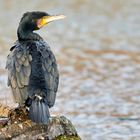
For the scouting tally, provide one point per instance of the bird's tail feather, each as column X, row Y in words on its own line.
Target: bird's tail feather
column 39, row 111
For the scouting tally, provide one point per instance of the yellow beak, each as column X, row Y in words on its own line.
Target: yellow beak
column 46, row 19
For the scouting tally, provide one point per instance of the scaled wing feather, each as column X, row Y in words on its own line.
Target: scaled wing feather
column 51, row 74
column 19, row 69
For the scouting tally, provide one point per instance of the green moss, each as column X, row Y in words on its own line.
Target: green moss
column 64, row 137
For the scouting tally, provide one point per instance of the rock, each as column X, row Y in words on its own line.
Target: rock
column 17, row 126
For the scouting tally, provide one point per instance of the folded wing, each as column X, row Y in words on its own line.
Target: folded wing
column 19, row 69
column 51, row 74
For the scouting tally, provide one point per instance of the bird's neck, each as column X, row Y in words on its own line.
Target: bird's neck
column 24, row 34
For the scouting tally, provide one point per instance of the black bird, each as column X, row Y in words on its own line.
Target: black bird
column 32, row 69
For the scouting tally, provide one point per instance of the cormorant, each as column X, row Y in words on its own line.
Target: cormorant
column 32, row 69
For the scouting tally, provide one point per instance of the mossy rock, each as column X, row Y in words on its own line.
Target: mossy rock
column 17, row 126
column 64, row 137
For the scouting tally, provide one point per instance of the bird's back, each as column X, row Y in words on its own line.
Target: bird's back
column 32, row 73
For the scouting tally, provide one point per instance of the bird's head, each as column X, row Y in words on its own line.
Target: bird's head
column 36, row 20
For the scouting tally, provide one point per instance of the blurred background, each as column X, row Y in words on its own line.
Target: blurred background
column 97, row 48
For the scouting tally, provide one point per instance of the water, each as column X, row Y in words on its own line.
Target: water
column 97, row 49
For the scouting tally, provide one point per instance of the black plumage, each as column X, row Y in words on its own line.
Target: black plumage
column 32, row 69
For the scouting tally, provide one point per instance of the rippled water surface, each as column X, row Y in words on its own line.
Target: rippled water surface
column 98, row 51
